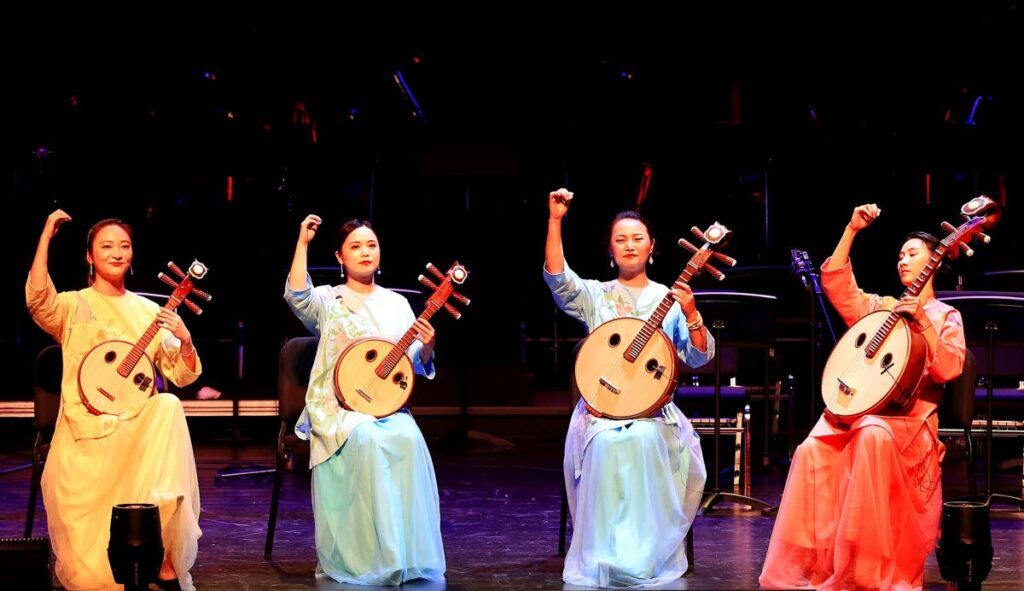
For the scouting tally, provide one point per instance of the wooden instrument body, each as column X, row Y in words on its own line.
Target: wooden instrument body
column 617, row 388
column 103, row 390
column 854, row 385
column 627, row 367
column 357, row 385
column 878, row 364
column 117, row 377
column 375, row 376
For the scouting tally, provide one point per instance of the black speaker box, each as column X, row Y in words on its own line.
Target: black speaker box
column 25, row 563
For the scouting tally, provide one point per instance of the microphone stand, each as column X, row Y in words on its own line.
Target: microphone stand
column 801, row 266
column 812, row 282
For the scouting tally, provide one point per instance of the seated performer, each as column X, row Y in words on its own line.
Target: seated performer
column 375, row 502
column 861, row 505
column 98, row 461
column 634, row 485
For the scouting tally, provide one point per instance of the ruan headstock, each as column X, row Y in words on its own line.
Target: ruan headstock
column 196, row 271
column 456, row 274
column 980, row 213
column 714, row 238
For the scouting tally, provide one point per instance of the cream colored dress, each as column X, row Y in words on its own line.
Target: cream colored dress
column 96, row 462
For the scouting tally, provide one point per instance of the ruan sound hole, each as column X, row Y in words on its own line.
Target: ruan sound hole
column 398, row 378
column 138, row 378
column 887, row 360
column 652, row 365
column 614, row 340
column 860, row 340
column 110, row 356
column 371, row 355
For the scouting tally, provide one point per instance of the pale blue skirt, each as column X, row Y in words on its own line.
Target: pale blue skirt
column 376, row 508
column 634, row 490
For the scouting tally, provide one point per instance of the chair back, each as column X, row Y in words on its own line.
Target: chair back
column 957, row 409
column 294, row 365
column 47, row 374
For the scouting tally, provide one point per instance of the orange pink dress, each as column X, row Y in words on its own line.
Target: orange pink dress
column 861, row 505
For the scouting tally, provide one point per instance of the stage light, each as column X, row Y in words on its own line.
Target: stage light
column 136, row 550
column 964, row 550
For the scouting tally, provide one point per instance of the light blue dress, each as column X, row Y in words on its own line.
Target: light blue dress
column 634, row 485
column 375, row 502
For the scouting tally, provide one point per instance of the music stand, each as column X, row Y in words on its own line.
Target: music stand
column 777, row 280
column 985, row 313
column 233, row 470
column 1005, row 279
column 753, row 318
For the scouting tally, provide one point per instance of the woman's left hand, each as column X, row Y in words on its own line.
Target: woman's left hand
column 170, row 320
column 910, row 306
column 425, row 334
column 682, row 294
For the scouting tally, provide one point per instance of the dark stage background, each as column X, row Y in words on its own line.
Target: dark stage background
column 215, row 134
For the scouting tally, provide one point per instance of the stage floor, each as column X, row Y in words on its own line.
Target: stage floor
column 500, row 512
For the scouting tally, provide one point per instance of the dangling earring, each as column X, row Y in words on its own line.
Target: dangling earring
column 91, row 272
column 131, row 271
column 378, row 270
column 650, row 260
column 611, row 263
column 343, row 271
